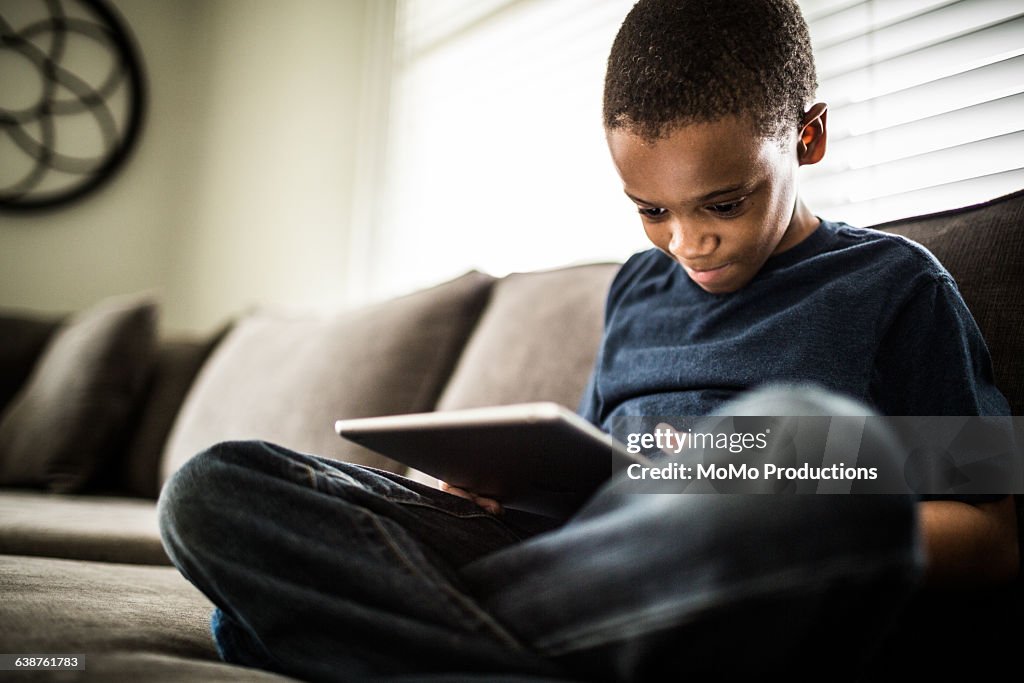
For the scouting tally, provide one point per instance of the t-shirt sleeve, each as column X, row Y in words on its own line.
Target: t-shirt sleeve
column 933, row 360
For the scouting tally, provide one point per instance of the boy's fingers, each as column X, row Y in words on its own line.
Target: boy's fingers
column 488, row 504
column 454, row 490
column 492, row 506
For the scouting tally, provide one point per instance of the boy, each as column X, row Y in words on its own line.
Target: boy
column 329, row 571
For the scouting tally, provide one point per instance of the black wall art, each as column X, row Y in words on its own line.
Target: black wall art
column 72, row 99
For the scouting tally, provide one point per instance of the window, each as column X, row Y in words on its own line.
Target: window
column 926, row 105
column 496, row 156
column 495, row 150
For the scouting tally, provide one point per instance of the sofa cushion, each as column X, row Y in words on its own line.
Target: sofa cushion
column 57, row 430
column 131, row 623
column 70, row 606
column 287, row 380
column 24, row 338
column 536, row 341
column 981, row 246
column 161, row 668
column 137, row 469
column 107, row 529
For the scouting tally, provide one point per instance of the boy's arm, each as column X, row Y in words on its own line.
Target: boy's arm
column 965, row 543
column 969, row 543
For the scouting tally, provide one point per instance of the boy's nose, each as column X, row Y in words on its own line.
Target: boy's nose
column 690, row 242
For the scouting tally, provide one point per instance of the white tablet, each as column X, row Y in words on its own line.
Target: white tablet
column 539, row 457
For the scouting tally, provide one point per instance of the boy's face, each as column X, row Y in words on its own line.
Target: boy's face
column 716, row 197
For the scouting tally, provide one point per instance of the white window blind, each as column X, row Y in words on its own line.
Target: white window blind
column 496, row 157
column 926, row 105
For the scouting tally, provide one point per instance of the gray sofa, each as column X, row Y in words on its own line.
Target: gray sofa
column 96, row 411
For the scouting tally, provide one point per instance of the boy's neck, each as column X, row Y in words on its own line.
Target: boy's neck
column 802, row 225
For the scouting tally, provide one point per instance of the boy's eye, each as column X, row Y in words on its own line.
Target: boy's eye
column 652, row 213
column 727, row 209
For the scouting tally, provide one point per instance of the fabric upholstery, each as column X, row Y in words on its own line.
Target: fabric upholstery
column 57, row 430
column 536, row 341
column 70, row 606
column 22, row 340
column 981, row 246
column 287, row 380
column 126, row 665
column 137, row 471
column 132, row 623
column 107, row 529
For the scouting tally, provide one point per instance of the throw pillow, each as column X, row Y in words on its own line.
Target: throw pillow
column 536, row 341
column 24, row 338
column 287, row 379
column 56, row 431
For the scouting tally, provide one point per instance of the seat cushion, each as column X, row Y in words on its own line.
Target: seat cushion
column 70, row 606
column 80, row 527
column 287, row 379
column 160, row 668
column 536, row 341
column 130, row 622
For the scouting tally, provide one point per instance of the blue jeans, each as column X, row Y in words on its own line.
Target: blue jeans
column 328, row 571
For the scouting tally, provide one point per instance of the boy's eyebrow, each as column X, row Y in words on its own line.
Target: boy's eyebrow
column 706, row 198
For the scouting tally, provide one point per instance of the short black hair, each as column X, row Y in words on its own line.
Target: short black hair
column 676, row 62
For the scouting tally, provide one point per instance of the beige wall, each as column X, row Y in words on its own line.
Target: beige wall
column 241, row 191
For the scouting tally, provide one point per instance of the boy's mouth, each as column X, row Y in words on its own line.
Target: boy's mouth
column 708, row 275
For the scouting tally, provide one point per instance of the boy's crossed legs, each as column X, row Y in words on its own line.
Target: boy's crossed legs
column 330, row 571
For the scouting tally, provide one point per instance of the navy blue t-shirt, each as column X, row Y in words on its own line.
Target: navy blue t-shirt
column 864, row 313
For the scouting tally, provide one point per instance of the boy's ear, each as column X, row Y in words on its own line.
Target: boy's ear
column 813, row 135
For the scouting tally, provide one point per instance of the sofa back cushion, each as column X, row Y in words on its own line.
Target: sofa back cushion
column 134, row 466
column 58, row 429
column 176, row 366
column 23, row 337
column 287, row 379
column 982, row 246
column 536, row 341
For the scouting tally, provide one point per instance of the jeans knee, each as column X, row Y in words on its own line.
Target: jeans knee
column 192, row 496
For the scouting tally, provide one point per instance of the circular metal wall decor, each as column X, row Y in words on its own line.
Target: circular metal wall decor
column 72, row 96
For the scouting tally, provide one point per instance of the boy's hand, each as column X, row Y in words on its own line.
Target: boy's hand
column 489, row 504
